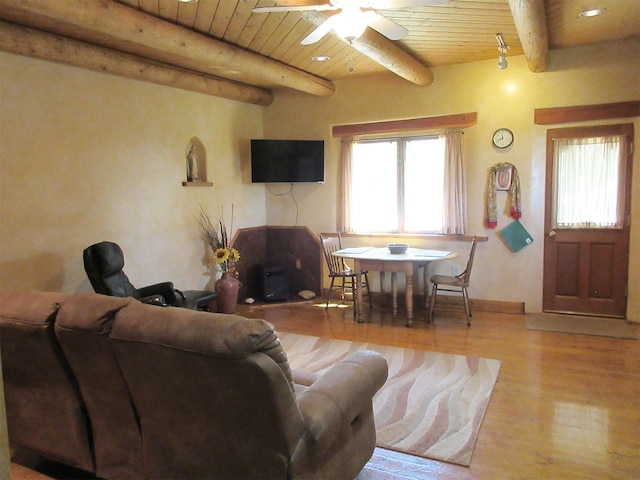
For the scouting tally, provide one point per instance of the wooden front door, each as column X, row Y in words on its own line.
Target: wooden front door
column 586, row 263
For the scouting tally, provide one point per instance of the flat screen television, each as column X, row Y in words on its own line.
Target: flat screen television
column 287, row 161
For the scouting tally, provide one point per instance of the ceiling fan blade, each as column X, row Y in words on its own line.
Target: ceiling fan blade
column 324, row 28
column 386, row 27
column 293, row 8
column 395, row 4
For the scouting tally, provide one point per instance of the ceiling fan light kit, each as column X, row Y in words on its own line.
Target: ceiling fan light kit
column 351, row 22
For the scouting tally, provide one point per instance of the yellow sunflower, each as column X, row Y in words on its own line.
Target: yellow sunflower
column 234, row 255
column 221, row 255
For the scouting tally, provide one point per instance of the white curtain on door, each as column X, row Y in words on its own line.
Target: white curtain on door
column 587, row 180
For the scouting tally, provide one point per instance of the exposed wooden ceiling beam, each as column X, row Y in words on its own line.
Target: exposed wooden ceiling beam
column 385, row 52
column 382, row 50
column 531, row 24
column 109, row 23
column 48, row 46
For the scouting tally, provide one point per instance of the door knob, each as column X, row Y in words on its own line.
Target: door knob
column 552, row 233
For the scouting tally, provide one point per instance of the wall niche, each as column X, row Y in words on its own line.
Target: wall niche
column 196, row 164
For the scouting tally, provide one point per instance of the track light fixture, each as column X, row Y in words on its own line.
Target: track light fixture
column 502, row 61
column 502, row 48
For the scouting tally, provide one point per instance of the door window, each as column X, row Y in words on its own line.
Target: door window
column 589, row 182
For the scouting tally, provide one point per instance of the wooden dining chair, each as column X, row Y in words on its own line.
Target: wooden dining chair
column 456, row 284
column 339, row 269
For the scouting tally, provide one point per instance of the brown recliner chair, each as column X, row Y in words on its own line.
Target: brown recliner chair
column 45, row 410
column 217, row 399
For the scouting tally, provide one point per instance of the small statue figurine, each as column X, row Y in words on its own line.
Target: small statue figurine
column 192, row 165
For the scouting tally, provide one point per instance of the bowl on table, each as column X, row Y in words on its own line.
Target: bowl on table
column 398, row 248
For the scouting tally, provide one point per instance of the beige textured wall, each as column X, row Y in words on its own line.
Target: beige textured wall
column 87, row 157
column 589, row 75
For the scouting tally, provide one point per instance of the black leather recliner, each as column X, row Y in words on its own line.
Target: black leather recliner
column 104, row 263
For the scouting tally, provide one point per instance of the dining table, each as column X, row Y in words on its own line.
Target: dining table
column 382, row 260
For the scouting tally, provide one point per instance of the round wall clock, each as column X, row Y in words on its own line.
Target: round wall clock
column 502, row 138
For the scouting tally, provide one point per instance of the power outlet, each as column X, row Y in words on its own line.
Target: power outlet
column 455, row 270
column 298, row 264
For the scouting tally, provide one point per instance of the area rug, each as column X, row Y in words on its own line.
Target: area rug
column 603, row 327
column 432, row 404
column 387, row 464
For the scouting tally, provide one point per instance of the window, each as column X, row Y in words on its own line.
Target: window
column 588, row 185
column 397, row 185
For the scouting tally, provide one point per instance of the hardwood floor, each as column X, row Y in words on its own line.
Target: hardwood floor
column 565, row 405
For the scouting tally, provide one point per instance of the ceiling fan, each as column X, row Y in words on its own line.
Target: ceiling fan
column 352, row 17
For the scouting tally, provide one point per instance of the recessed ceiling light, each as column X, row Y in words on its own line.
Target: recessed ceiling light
column 321, row 58
column 591, row 12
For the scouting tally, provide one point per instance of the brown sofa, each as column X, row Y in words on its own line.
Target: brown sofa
column 127, row 390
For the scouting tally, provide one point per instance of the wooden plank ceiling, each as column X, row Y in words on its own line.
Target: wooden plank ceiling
column 457, row 32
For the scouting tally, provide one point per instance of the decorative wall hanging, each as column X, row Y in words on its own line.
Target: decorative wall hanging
column 516, row 236
column 503, row 176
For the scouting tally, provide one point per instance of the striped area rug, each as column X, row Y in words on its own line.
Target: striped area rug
column 432, row 404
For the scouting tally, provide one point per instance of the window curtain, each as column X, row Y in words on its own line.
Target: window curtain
column 587, row 180
column 455, row 190
column 344, row 185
